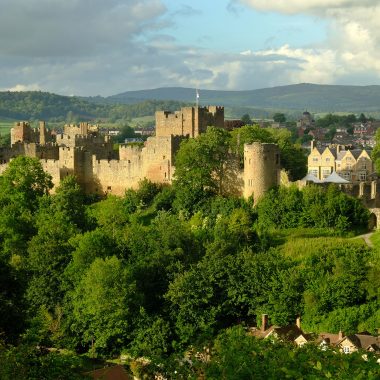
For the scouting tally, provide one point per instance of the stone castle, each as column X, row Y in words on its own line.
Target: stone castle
column 81, row 150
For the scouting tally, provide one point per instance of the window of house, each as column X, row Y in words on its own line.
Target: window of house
column 315, row 159
column 346, row 349
column 362, row 176
column 348, row 158
column 346, row 175
column 314, row 172
column 326, row 173
column 328, row 159
column 349, row 167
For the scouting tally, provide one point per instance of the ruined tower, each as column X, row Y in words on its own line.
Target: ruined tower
column 261, row 168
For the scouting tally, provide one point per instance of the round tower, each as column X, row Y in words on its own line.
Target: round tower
column 261, row 168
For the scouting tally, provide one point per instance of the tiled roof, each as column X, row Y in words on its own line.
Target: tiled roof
column 329, row 338
column 365, row 341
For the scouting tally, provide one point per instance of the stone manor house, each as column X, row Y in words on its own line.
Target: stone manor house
column 353, row 165
column 81, row 150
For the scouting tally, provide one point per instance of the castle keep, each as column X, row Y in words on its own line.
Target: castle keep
column 189, row 121
column 81, row 150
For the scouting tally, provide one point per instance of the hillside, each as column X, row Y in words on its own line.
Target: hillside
column 316, row 98
column 121, row 108
column 51, row 107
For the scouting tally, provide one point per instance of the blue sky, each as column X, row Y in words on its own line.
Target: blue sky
column 97, row 47
column 228, row 27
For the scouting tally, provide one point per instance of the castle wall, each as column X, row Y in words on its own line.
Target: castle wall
column 154, row 161
column 53, row 168
column 114, row 176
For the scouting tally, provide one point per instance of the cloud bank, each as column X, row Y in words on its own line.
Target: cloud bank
column 90, row 47
column 350, row 55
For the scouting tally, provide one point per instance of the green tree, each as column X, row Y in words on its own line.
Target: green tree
column 246, row 119
column 111, row 214
column 375, row 155
column 49, row 254
column 86, row 248
column 22, row 185
column 25, row 180
column 279, row 117
column 237, row 355
column 362, row 118
column 104, row 304
column 12, row 307
column 204, row 167
column 125, row 132
column 69, row 199
column 28, row 362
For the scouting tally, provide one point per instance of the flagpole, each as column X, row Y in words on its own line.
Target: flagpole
column 197, row 97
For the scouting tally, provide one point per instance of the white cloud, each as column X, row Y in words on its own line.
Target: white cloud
column 23, row 87
column 305, row 6
column 90, row 47
column 56, row 28
column 351, row 49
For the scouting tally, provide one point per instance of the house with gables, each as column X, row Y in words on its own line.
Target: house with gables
column 353, row 165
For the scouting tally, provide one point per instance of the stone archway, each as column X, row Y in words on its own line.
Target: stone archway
column 374, row 219
column 372, row 222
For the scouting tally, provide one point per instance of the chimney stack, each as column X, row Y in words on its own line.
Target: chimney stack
column 313, row 144
column 264, row 322
column 298, row 322
column 340, row 335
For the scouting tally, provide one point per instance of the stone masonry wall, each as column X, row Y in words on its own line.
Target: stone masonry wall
column 261, row 169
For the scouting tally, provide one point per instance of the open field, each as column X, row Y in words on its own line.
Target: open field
column 142, row 121
column 5, row 127
column 301, row 243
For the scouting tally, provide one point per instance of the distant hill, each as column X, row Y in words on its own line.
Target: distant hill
column 31, row 105
column 121, row 108
column 315, row 98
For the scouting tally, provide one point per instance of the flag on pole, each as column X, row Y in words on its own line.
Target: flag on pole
column 197, row 93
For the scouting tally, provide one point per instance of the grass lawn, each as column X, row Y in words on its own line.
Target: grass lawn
column 300, row 243
column 375, row 239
